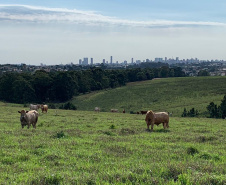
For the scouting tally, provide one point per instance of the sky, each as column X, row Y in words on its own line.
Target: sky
column 63, row 31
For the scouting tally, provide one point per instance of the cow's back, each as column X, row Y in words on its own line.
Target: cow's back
column 161, row 117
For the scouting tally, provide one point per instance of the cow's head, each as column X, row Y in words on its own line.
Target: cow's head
column 22, row 114
column 149, row 116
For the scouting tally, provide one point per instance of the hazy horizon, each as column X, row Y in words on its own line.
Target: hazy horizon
column 66, row 31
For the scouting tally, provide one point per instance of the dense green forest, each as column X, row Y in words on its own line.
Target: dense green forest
column 62, row 86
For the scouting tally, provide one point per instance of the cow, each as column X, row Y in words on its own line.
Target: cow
column 143, row 112
column 34, row 107
column 157, row 118
column 28, row 118
column 97, row 109
column 123, row 111
column 138, row 112
column 44, row 108
column 114, row 110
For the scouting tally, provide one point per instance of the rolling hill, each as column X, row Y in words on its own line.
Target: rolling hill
column 166, row 94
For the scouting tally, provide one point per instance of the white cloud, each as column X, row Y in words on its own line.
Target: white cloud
column 25, row 13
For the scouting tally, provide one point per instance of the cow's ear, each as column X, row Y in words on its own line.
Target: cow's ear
column 19, row 111
column 27, row 111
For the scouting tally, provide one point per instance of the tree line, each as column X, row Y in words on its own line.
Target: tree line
column 43, row 86
column 217, row 111
column 213, row 110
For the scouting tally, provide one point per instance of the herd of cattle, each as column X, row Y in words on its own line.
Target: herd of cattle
column 152, row 118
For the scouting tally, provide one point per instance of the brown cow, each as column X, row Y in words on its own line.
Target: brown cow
column 157, row 118
column 28, row 118
column 123, row 111
column 44, row 108
column 143, row 112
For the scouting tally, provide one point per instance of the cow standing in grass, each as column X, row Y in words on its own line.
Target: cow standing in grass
column 28, row 118
column 44, row 108
column 157, row 118
column 143, row 112
column 97, row 109
column 114, row 110
column 34, row 107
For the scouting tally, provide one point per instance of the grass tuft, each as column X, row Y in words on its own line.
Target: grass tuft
column 112, row 127
column 192, row 151
column 60, row 135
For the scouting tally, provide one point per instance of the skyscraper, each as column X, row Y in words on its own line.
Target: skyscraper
column 91, row 61
column 85, row 61
column 111, row 60
column 80, row 61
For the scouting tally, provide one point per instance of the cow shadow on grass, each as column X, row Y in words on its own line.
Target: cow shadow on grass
column 158, row 130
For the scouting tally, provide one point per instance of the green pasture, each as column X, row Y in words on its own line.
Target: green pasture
column 84, row 147
column 166, row 94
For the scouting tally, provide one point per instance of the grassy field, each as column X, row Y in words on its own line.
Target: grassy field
column 167, row 94
column 84, row 147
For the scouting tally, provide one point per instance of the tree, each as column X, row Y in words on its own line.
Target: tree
column 42, row 83
column 6, row 86
column 164, row 72
column 141, row 76
column 184, row 114
column 203, row 73
column 23, row 92
column 64, row 86
column 223, row 108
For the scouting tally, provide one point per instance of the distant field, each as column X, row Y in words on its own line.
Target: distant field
column 167, row 94
column 84, row 147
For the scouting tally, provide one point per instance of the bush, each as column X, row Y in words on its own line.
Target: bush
column 192, row 151
column 60, row 134
column 52, row 106
column 112, row 127
column 191, row 113
column 68, row 106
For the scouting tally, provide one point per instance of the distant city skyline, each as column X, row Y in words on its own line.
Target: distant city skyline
column 61, row 32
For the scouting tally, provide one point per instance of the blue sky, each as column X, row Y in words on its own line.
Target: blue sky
column 54, row 32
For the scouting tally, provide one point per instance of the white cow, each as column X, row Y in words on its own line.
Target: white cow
column 34, row 107
column 28, row 118
column 97, row 109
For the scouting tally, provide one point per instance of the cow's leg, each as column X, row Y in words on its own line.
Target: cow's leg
column 148, row 126
column 28, row 125
column 152, row 126
column 167, row 124
column 34, row 125
column 164, row 125
column 22, row 126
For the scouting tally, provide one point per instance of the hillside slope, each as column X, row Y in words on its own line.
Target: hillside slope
column 167, row 94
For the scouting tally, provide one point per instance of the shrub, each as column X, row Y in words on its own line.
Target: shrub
column 112, row 127
column 68, row 106
column 60, row 134
column 192, row 151
column 52, row 106
column 205, row 156
column 191, row 113
column 172, row 172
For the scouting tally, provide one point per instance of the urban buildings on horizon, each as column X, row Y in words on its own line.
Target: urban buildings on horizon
column 86, row 61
